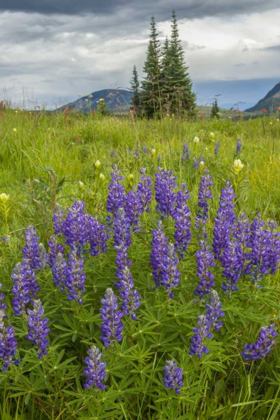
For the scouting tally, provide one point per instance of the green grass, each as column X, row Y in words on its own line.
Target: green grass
column 49, row 159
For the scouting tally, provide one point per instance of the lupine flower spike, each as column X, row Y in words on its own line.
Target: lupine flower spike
column 200, row 333
column 111, row 328
column 38, row 328
column 264, row 344
column 8, row 344
column 173, row 377
column 95, row 369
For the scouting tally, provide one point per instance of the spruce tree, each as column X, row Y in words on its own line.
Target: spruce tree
column 135, row 100
column 165, row 76
column 151, row 85
column 178, row 82
column 215, row 111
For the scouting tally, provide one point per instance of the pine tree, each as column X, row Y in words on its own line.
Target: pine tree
column 151, row 85
column 178, row 82
column 135, row 100
column 215, row 111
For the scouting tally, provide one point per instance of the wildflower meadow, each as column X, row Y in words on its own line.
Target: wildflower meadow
column 140, row 267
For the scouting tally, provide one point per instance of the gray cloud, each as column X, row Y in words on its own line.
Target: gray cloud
column 240, row 65
column 160, row 8
column 271, row 48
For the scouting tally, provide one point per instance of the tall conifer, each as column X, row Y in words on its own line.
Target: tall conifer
column 151, row 85
column 135, row 100
column 177, row 77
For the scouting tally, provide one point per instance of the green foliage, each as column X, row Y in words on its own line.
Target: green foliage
column 36, row 161
column 135, row 100
column 215, row 110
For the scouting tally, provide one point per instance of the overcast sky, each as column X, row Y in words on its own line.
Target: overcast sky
column 54, row 50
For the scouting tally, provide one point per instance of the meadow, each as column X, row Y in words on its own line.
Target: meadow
column 62, row 164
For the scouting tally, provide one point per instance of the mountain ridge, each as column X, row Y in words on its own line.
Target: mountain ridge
column 117, row 100
column 271, row 101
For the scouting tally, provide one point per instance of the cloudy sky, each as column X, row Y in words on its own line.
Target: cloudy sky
column 52, row 51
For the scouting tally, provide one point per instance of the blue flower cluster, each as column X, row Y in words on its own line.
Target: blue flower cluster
column 264, row 344
column 164, row 191
column 38, row 328
column 206, row 323
column 164, row 261
column 111, row 328
column 224, row 221
column 173, row 377
column 95, row 369
column 205, row 261
column 186, row 154
column 181, row 214
column 204, row 195
column 8, row 344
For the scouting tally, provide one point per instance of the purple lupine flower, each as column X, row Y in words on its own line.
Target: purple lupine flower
column 44, row 258
column 170, row 275
column 58, row 218
column 144, row 191
column 203, row 195
column 159, row 252
column 74, row 227
column 129, row 295
column 261, row 243
column 137, row 152
column 185, row 155
column 8, row 344
column 232, row 261
column 3, row 305
column 200, row 333
column 122, row 241
column 133, row 207
column 263, row 346
column 95, row 369
column 116, row 196
column 54, row 249
column 111, row 328
column 238, row 146
column 274, row 254
column 38, row 328
column 173, row 377
column 30, row 251
column 74, row 277
column 205, row 261
column 217, row 147
column 112, row 153
column 242, row 235
column 25, row 287
column 97, row 236
column 224, row 221
column 182, row 214
column 164, row 191
column 59, row 268
column 214, row 311
column 145, row 149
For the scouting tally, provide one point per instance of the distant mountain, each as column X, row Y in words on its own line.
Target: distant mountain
column 270, row 102
column 117, row 100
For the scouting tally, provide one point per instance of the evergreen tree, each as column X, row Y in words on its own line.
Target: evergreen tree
column 151, row 85
column 215, row 111
column 165, row 76
column 176, row 77
column 135, row 100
